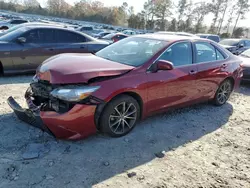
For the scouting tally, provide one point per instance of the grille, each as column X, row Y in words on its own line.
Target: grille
column 41, row 89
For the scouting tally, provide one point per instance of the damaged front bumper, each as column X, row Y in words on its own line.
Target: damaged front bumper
column 77, row 123
column 28, row 116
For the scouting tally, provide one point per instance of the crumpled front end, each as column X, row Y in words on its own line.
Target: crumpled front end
column 62, row 119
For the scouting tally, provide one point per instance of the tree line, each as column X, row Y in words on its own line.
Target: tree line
column 161, row 15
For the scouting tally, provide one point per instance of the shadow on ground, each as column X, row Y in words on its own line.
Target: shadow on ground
column 244, row 89
column 93, row 160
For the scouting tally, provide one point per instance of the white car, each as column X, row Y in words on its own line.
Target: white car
column 6, row 24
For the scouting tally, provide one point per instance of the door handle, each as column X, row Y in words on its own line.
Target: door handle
column 224, row 66
column 192, row 72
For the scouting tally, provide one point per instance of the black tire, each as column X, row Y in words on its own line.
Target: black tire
column 110, row 116
column 223, row 93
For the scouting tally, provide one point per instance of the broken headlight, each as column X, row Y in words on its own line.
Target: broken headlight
column 73, row 93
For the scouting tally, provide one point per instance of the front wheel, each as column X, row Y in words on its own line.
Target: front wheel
column 223, row 93
column 120, row 116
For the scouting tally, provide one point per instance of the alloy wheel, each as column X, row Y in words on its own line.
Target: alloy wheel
column 224, row 92
column 123, row 118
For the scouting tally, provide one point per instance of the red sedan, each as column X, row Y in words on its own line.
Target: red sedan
column 74, row 95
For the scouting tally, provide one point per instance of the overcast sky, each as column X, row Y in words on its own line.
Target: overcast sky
column 138, row 6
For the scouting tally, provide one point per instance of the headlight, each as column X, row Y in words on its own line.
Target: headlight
column 73, row 94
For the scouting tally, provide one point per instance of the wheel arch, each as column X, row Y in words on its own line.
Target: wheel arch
column 101, row 107
column 231, row 79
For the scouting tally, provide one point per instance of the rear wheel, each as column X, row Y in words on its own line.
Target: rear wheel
column 120, row 116
column 223, row 93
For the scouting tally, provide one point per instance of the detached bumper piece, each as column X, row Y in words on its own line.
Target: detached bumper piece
column 28, row 116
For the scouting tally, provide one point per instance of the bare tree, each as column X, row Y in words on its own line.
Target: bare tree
column 31, row 3
column 162, row 11
column 243, row 7
column 225, row 7
column 200, row 11
column 215, row 7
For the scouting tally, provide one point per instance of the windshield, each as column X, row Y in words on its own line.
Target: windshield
column 13, row 28
column 229, row 42
column 133, row 51
column 246, row 53
column 14, row 34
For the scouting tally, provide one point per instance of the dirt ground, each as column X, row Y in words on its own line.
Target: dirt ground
column 203, row 146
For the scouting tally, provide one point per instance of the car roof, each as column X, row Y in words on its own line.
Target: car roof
column 47, row 27
column 60, row 28
column 170, row 38
column 204, row 34
column 176, row 33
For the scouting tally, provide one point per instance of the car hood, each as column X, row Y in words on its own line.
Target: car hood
column 78, row 68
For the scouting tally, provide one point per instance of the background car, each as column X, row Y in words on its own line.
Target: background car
column 236, row 46
column 129, row 32
column 101, row 34
column 76, row 95
column 114, row 37
column 215, row 38
column 10, row 23
column 24, row 49
column 86, row 29
column 3, row 32
column 245, row 56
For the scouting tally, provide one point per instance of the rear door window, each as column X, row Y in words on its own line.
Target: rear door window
column 46, row 35
column 205, row 52
column 219, row 55
column 63, row 36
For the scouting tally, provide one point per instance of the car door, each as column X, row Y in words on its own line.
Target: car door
column 175, row 87
column 70, row 42
column 211, row 64
column 39, row 46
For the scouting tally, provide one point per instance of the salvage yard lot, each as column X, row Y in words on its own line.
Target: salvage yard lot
column 205, row 146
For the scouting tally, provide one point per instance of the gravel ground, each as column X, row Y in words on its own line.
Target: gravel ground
column 200, row 146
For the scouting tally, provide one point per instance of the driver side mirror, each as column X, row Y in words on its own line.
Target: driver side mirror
column 21, row 40
column 163, row 65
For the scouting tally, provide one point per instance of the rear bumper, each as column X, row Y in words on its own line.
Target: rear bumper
column 76, row 124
